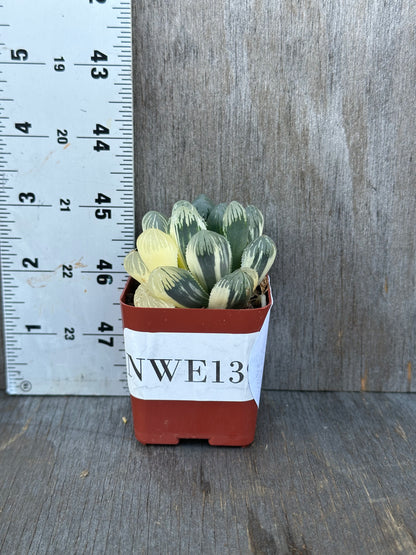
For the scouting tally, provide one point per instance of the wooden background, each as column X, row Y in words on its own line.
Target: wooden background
column 306, row 109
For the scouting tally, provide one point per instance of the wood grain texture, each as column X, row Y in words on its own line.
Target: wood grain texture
column 305, row 109
column 328, row 473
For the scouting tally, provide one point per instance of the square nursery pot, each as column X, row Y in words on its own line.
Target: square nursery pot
column 194, row 373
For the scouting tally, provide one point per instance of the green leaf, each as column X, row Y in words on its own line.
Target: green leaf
column 204, row 205
column 260, row 255
column 144, row 299
column 214, row 222
column 157, row 248
column 178, row 286
column 208, row 256
column 255, row 221
column 235, row 229
column 156, row 220
column 135, row 267
column 184, row 223
column 233, row 290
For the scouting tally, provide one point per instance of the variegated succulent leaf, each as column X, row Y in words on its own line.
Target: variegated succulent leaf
column 214, row 221
column 135, row 267
column 233, row 290
column 184, row 223
column 204, row 205
column 208, row 256
column 154, row 219
column 235, row 229
column 157, row 248
column 178, row 286
column 260, row 255
column 255, row 221
column 144, row 298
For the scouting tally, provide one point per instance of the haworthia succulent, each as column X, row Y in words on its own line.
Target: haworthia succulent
column 235, row 229
column 204, row 205
column 184, row 223
column 154, row 219
column 255, row 221
column 157, row 248
column 178, row 286
column 214, row 222
column 135, row 267
column 179, row 261
column 208, row 257
column 233, row 290
column 144, row 299
column 259, row 255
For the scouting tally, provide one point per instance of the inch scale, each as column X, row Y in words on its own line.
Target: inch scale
column 66, row 192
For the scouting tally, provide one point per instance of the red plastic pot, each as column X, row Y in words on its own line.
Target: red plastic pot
column 167, row 420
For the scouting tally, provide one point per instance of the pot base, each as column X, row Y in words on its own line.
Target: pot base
column 219, row 422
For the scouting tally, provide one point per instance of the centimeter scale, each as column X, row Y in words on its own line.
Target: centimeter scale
column 66, row 192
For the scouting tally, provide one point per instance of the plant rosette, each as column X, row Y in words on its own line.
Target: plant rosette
column 195, row 314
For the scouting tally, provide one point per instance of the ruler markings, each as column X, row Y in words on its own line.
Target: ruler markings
column 33, row 333
column 99, row 64
column 103, row 334
column 59, row 86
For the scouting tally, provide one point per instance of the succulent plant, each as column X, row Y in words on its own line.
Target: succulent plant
column 204, row 255
column 234, row 290
column 216, row 216
column 178, row 286
column 255, row 222
column 208, row 256
column 259, row 255
column 235, row 229
column 184, row 223
column 157, row 248
column 154, row 219
column 204, row 205
column 135, row 267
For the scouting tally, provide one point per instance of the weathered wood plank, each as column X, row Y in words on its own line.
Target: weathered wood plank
column 305, row 109
column 328, row 473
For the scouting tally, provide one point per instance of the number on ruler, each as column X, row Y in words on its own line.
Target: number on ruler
column 104, row 265
column 59, row 66
column 103, row 328
column 23, row 197
column 100, row 130
column 23, row 127
column 20, row 54
column 69, row 334
column 102, row 198
column 102, row 213
column 99, row 56
column 101, row 145
column 65, row 204
column 67, row 271
column 101, row 73
column 104, row 279
column 31, row 327
column 26, row 262
column 62, row 136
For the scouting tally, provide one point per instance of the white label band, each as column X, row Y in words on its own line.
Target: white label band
column 195, row 366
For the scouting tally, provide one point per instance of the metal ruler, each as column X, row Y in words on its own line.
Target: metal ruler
column 66, row 192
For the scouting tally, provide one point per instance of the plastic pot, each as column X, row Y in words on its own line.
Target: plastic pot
column 194, row 373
